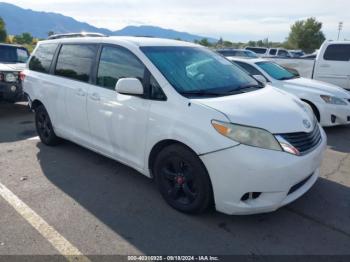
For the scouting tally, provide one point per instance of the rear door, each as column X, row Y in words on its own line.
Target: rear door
column 333, row 66
column 74, row 66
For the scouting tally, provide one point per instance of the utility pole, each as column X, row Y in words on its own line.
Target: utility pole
column 340, row 27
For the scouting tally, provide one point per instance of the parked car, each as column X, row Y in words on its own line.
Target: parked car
column 205, row 130
column 296, row 53
column 71, row 35
column 270, row 52
column 12, row 62
column 236, row 52
column 259, row 51
column 278, row 52
column 310, row 56
column 331, row 104
column 332, row 64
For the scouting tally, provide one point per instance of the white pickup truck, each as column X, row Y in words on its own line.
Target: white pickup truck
column 331, row 65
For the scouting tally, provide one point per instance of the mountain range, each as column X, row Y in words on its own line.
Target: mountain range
column 19, row 20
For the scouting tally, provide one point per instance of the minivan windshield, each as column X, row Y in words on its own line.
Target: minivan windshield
column 13, row 54
column 196, row 71
column 276, row 71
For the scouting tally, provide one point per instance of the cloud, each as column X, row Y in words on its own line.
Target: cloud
column 238, row 20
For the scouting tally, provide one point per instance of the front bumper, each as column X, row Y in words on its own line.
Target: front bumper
column 7, row 94
column 279, row 177
column 333, row 115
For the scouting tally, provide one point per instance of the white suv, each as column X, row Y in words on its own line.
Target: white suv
column 180, row 113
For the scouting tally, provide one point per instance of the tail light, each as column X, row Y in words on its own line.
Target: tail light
column 22, row 76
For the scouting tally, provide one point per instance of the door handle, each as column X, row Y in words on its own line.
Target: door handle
column 80, row 92
column 95, row 97
column 324, row 65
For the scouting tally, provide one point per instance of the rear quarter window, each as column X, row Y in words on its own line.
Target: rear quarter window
column 337, row 52
column 42, row 58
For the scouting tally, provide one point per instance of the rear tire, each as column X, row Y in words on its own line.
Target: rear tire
column 182, row 179
column 44, row 127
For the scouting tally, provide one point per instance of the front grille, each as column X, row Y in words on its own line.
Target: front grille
column 302, row 141
column 298, row 185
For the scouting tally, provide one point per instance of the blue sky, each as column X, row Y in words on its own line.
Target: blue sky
column 235, row 20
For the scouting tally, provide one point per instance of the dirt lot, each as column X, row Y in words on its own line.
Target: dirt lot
column 102, row 207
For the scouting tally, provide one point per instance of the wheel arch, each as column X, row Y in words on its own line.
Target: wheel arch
column 314, row 108
column 159, row 146
column 36, row 103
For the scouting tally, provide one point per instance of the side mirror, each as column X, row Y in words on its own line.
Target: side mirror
column 260, row 78
column 129, row 86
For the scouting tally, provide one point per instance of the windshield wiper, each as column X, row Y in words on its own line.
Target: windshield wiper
column 201, row 93
column 288, row 78
column 248, row 86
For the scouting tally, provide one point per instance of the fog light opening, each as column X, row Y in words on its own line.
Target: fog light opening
column 250, row 196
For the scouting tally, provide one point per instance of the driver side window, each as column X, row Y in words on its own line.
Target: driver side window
column 116, row 63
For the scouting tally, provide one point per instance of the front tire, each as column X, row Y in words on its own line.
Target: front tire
column 182, row 179
column 44, row 127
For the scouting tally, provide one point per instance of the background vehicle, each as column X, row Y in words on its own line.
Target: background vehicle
column 296, row 53
column 236, row 52
column 332, row 64
column 259, row 51
column 331, row 104
column 278, row 52
column 205, row 130
column 12, row 62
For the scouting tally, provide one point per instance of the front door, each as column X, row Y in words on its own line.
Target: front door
column 118, row 123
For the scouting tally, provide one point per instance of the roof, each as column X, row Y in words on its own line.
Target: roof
column 131, row 40
column 337, row 42
column 81, row 34
column 231, row 49
column 13, row 45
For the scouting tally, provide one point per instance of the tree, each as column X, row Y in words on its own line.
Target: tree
column 251, row 43
column 204, row 42
column 3, row 33
column 306, row 35
column 25, row 38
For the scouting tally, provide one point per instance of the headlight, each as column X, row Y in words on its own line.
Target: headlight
column 10, row 77
column 250, row 136
column 333, row 100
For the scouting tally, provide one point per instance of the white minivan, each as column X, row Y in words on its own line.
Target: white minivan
column 207, row 132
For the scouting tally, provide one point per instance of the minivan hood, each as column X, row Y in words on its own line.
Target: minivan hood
column 268, row 108
column 318, row 86
column 12, row 67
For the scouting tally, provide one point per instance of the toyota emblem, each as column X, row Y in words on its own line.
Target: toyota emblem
column 307, row 123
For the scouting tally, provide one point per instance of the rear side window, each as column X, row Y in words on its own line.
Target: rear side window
column 273, row 51
column 75, row 61
column 337, row 52
column 116, row 63
column 42, row 58
column 250, row 69
column 257, row 50
column 283, row 53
